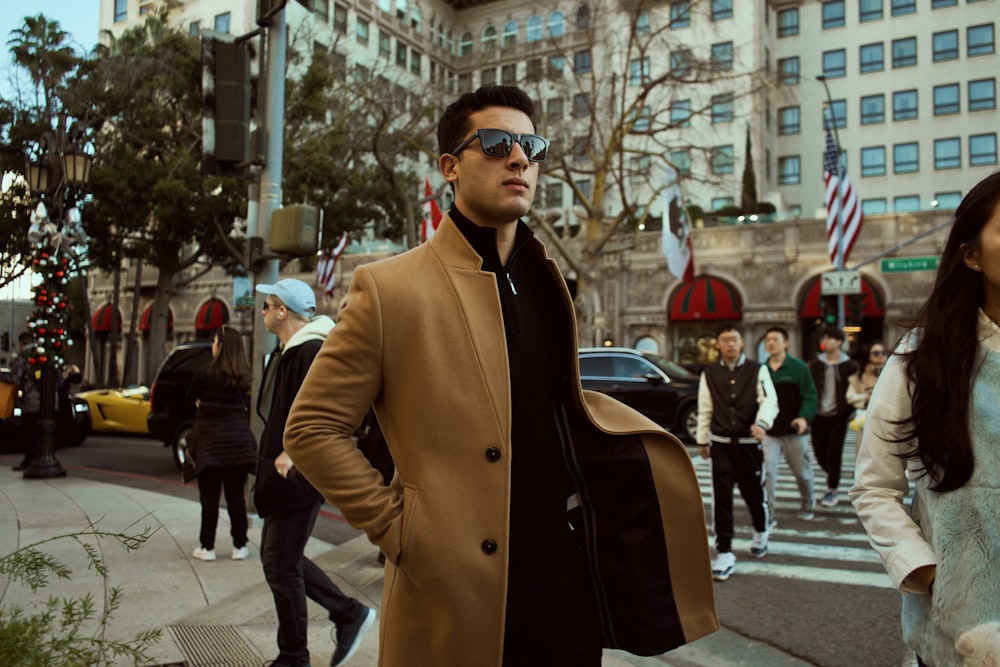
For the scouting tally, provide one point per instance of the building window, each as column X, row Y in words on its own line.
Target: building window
column 580, row 146
column 554, row 109
column 340, row 18
column 642, row 25
column 680, row 113
column 583, row 18
column 982, row 149
column 585, row 188
column 222, row 23
column 721, row 202
column 788, row 70
column 906, row 158
column 873, row 161
column 415, row 61
column 939, row 4
column 554, row 194
column 946, row 99
column 533, row 29
column 465, row 83
column 722, row 108
column 979, row 40
column 556, row 66
column 904, row 105
column 401, row 53
column 681, row 160
column 121, row 10
column 488, row 77
column 947, row 200
column 873, row 206
column 948, row 153
column 533, row 71
column 508, row 75
column 838, row 113
column 722, row 9
column 489, row 38
column 581, row 62
column 834, row 63
column 833, row 14
column 869, row 10
column 581, row 105
column 384, row 43
column 722, row 159
column 982, row 94
column 465, row 45
column 722, row 56
column 680, row 62
column 788, row 22
column 906, row 204
column 194, row 28
column 680, row 14
column 904, row 52
column 873, row 109
column 508, row 37
column 789, row 170
column 872, row 57
column 945, row 45
column 788, row 120
column 361, row 30
column 639, row 71
column 557, row 24
column 900, row 7
column 640, row 121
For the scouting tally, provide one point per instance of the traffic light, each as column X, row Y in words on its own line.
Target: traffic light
column 225, row 125
column 5, row 341
column 830, row 309
column 854, row 309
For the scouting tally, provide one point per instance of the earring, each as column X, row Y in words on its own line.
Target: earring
column 975, row 267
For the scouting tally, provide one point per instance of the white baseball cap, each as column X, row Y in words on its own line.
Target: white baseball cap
column 297, row 296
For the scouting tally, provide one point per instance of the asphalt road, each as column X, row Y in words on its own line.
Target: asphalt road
column 820, row 594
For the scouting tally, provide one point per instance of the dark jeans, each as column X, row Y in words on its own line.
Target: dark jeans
column 30, row 436
column 828, row 433
column 292, row 577
column 211, row 482
column 742, row 465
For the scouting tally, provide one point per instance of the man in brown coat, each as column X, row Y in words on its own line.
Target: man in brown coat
column 528, row 522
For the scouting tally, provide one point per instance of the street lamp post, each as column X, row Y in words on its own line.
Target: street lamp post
column 839, row 262
column 56, row 171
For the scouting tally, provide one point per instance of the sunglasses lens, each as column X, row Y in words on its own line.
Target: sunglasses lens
column 496, row 142
column 534, row 147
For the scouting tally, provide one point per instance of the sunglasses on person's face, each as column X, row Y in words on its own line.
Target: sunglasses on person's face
column 499, row 143
column 878, row 353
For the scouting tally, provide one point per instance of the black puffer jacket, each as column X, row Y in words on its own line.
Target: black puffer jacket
column 274, row 494
column 221, row 437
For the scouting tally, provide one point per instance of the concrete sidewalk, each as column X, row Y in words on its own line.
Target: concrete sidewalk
column 221, row 613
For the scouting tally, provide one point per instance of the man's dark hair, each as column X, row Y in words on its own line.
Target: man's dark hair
column 26, row 337
column 781, row 330
column 728, row 326
column 833, row 332
column 453, row 128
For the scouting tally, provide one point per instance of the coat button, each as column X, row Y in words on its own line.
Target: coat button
column 489, row 547
column 493, row 454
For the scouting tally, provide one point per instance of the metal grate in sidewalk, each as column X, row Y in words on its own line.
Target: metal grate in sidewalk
column 215, row 646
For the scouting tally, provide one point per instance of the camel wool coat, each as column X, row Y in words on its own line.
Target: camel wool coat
column 422, row 338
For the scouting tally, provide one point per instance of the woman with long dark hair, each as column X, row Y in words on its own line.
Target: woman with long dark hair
column 221, row 442
column 934, row 423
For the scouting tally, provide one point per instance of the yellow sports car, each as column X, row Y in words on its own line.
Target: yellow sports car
column 118, row 410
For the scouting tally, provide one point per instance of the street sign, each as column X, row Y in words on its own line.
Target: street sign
column 901, row 264
column 840, row 282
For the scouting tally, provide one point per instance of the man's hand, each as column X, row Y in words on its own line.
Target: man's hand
column 283, row 464
column 757, row 432
column 800, row 425
column 705, row 451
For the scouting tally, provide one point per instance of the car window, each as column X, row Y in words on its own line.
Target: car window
column 632, row 367
column 672, row 369
column 595, row 366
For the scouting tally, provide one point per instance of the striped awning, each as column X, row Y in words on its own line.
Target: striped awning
column 706, row 298
column 211, row 315
column 102, row 319
column 148, row 314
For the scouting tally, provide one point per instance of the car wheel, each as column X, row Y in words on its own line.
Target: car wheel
column 689, row 422
column 180, row 446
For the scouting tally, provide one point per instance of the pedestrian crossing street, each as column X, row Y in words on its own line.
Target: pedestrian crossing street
column 832, row 547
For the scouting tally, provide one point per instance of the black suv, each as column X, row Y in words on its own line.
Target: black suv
column 664, row 391
column 171, row 415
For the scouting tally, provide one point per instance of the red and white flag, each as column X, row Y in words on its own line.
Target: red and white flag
column 843, row 211
column 676, row 240
column 432, row 213
column 326, row 276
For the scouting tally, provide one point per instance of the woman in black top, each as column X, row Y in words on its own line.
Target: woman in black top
column 222, row 445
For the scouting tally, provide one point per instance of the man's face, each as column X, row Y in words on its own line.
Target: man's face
column 493, row 191
column 775, row 343
column 730, row 345
column 270, row 311
column 830, row 344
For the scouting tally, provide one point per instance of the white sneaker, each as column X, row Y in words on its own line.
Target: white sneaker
column 829, row 499
column 724, row 565
column 758, row 548
column 807, row 515
column 240, row 553
column 204, row 554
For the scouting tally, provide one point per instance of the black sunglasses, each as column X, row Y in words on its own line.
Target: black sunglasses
column 879, row 353
column 499, row 143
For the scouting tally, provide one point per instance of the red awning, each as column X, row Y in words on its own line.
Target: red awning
column 148, row 313
column 102, row 319
column 706, row 298
column 811, row 307
column 212, row 315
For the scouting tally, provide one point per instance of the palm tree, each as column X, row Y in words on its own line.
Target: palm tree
column 41, row 47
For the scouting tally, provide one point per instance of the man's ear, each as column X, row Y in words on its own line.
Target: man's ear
column 449, row 167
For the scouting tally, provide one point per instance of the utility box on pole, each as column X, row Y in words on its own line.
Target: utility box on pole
column 295, row 230
column 226, row 147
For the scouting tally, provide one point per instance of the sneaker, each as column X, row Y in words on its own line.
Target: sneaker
column 829, row 499
column 204, row 554
column 349, row 636
column 758, row 548
column 806, row 515
column 240, row 553
column 724, row 565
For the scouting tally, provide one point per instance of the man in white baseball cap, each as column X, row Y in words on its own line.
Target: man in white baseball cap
column 294, row 294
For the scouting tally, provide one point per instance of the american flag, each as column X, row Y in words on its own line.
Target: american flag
column 843, row 212
column 432, row 213
column 326, row 276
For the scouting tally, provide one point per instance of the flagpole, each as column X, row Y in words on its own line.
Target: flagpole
column 839, row 229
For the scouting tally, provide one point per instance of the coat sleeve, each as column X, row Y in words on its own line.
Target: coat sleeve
column 767, row 399
column 704, row 411
column 881, row 483
column 344, row 380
